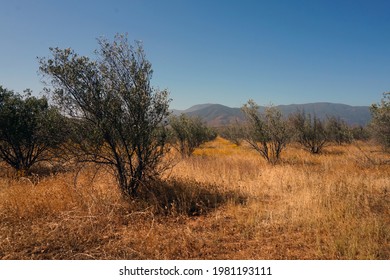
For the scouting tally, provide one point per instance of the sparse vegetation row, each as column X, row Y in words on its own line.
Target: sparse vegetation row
column 104, row 172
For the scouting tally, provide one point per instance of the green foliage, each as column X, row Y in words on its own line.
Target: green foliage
column 267, row 133
column 310, row 131
column 338, row 130
column 189, row 133
column 360, row 133
column 29, row 128
column 118, row 114
column 232, row 132
column 380, row 123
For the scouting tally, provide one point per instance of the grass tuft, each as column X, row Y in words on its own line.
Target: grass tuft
column 225, row 202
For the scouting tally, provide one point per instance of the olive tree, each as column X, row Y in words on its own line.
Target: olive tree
column 189, row 133
column 338, row 130
column 29, row 129
column 267, row 133
column 380, row 123
column 310, row 131
column 232, row 132
column 119, row 116
column 360, row 132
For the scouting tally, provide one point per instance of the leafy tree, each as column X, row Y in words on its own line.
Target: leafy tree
column 267, row 133
column 338, row 130
column 380, row 123
column 360, row 133
column 120, row 116
column 29, row 129
column 189, row 133
column 232, row 132
column 310, row 131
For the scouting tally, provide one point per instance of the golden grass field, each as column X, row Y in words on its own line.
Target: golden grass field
column 224, row 202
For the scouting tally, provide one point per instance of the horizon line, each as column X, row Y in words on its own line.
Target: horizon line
column 292, row 104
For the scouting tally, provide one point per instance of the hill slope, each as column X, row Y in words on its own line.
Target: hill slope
column 219, row 115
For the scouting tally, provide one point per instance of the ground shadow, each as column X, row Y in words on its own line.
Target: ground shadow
column 186, row 197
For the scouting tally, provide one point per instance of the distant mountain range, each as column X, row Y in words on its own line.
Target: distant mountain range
column 219, row 115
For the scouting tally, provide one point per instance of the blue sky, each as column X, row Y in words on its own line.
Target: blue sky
column 226, row 52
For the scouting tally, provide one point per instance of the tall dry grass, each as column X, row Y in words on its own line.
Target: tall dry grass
column 224, row 202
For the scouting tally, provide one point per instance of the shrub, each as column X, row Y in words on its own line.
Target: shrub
column 29, row 129
column 380, row 123
column 119, row 114
column 233, row 133
column 310, row 131
column 266, row 133
column 338, row 131
column 189, row 133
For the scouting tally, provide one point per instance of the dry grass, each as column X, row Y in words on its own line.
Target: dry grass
column 225, row 202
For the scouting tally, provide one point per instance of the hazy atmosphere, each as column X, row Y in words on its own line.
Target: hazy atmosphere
column 225, row 52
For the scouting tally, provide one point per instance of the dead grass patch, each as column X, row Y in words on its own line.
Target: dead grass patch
column 223, row 203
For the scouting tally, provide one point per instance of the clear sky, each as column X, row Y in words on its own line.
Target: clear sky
column 211, row 51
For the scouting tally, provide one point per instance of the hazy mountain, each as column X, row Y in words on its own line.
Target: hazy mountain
column 353, row 115
column 218, row 115
column 191, row 109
